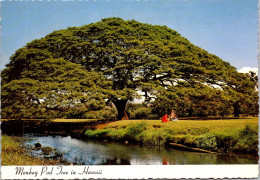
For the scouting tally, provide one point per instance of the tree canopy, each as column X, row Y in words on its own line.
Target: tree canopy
column 117, row 61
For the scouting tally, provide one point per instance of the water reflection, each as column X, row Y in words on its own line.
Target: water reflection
column 109, row 153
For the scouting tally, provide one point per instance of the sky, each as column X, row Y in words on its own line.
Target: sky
column 226, row 28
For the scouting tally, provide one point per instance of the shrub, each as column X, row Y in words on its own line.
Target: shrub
column 247, row 132
column 153, row 116
column 207, row 141
column 248, row 140
column 225, row 142
column 106, row 113
column 141, row 113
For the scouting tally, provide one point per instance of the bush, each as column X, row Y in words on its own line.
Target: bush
column 106, row 113
column 225, row 142
column 207, row 141
column 247, row 132
column 153, row 116
column 141, row 113
column 248, row 140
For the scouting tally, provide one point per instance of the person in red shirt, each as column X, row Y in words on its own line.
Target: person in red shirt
column 165, row 118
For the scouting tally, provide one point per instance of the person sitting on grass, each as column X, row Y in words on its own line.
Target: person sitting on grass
column 165, row 118
column 173, row 116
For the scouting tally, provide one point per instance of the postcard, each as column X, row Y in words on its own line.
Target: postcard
column 134, row 89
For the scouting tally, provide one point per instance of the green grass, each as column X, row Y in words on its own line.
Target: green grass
column 14, row 154
column 227, row 135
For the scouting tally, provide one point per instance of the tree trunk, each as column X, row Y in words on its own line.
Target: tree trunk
column 237, row 110
column 190, row 111
column 120, row 106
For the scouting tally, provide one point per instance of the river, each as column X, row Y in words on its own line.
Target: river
column 86, row 152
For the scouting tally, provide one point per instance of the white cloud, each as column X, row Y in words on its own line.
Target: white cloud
column 248, row 69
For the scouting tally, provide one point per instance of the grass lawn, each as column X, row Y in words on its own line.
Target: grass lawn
column 227, row 135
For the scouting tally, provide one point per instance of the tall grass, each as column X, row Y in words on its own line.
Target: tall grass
column 233, row 135
column 14, row 154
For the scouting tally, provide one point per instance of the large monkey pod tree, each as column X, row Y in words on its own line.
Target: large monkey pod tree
column 117, row 61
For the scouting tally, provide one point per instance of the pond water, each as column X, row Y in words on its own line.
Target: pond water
column 110, row 153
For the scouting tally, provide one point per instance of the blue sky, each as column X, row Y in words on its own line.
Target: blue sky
column 226, row 28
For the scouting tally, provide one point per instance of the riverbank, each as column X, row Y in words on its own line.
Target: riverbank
column 226, row 136
column 223, row 136
column 14, row 153
column 62, row 127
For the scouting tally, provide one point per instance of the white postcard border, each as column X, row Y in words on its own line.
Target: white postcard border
column 130, row 172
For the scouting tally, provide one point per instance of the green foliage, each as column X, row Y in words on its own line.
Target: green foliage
column 110, row 61
column 207, row 141
column 89, row 115
column 13, row 153
column 248, row 139
column 97, row 133
column 135, row 129
column 226, row 142
column 89, row 133
column 219, row 135
column 141, row 113
column 158, row 137
column 193, row 100
column 54, row 87
column 107, row 113
column 120, row 134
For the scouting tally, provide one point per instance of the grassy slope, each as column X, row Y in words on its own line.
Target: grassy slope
column 239, row 135
column 14, row 154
